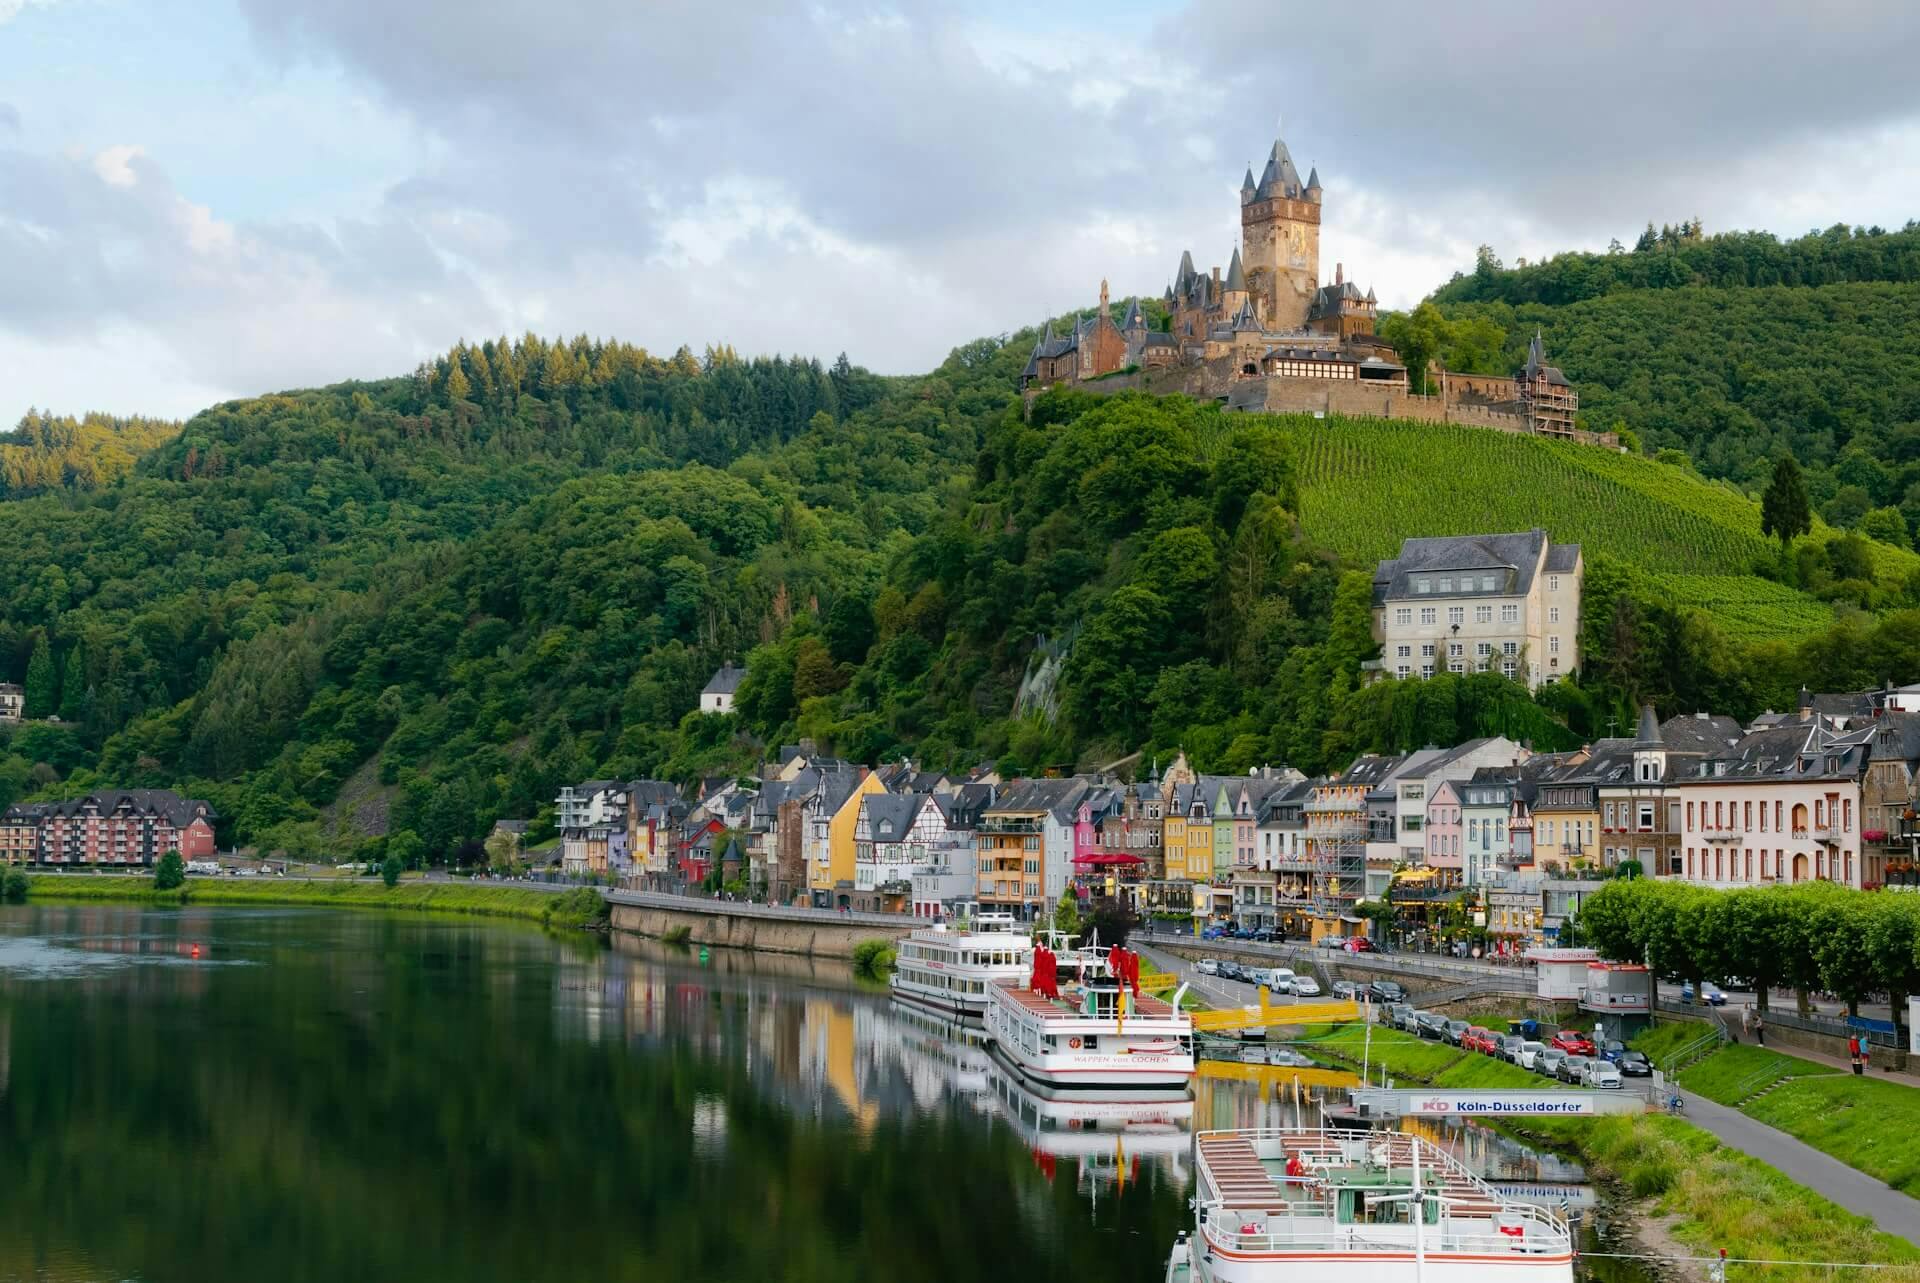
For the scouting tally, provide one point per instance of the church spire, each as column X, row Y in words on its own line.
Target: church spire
column 1236, row 277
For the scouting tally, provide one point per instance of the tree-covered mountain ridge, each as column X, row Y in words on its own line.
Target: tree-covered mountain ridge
column 515, row 568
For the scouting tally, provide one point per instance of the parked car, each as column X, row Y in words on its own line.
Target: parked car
column 1475, row 1038
column 1528, row 1054
column 1456, row 1030
column 1345, row 989
column 1601, row 1074
column 1547, row 1061
column 1360, row 944
column 1388, row 991
column 1433, row 1025
column 1333, row 942
column 1612, row 1049
column 1280, row 979
column 1509, row 1044
column 1709, row 994
column 1573, row 1042
column 1207, row 967
column 1263, row 936
column 1634, row 1064
column 1571, row 1069
column 1306, row 987
column 1391, row 1015
column 1407, row 1017
column 1233, row 971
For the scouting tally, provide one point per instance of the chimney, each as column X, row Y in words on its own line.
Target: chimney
column 1216, row 277
column 1103, row 295
column 1339, row 273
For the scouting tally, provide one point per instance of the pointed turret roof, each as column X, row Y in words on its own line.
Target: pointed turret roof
column 1236, row 278
column 1649, row 732
column 1313, row 179
column 1184, row 277
column 1135, row 321
column 1279, row 177
column 1370, row 297
column 1536, row 354
column 1246, row 184
column 1244, row 319
column 1169, row 296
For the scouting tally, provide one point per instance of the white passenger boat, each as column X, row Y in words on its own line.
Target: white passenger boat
column 1096, row 1039
column 949, row 969
column 1327, row 1206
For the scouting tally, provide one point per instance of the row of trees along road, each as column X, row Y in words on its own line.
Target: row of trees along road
column 1813, row 935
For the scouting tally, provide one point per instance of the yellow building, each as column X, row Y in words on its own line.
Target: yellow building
column 1173, row 843
column 1566, row 819
column 836, row 871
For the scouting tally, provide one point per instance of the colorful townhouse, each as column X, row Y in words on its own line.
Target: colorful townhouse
column 1783, row 805
column 113, row 827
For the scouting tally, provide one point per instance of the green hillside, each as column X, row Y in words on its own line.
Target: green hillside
column 434, row 600
column 1367, row 484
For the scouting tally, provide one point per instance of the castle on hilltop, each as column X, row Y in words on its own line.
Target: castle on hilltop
column 1267, row 335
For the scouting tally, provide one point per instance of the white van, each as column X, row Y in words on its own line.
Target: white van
column 203, row 866
column 1276, row 979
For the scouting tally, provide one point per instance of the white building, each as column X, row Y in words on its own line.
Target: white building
column 717, row 695
column 1479, row 603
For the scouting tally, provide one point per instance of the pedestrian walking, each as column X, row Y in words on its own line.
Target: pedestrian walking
column 1759, row 1029
column 1746, row 1020
column 1866, row 1055
column 1853, row 1053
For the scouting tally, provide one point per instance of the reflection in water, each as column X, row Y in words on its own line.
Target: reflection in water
column 328, row 1096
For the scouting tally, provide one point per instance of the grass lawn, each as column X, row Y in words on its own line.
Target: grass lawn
column 1404, row 1055
column 1726, row 1199
column 1667, row 1037
column 1867, row 1123
column 368, row 893
column 1477, row 1070
column 1737, row 1071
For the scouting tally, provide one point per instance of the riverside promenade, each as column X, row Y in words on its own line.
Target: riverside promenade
column 741, row 924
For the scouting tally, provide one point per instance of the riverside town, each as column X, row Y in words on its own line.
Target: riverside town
column 884, row 644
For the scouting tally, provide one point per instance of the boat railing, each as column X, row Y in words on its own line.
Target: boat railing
column 1528, row 1231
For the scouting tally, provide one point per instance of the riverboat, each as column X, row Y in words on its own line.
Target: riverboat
column 1331, row 1206
column 1093, row 1037
column 949, row 969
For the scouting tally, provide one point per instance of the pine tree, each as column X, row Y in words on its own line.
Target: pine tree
column 73, row 686
column 457, row 387
column 43, row 683
column 1783, row 509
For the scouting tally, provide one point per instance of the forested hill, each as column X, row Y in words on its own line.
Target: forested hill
column 426, row 603
column 47, row 451
column 1735, row 349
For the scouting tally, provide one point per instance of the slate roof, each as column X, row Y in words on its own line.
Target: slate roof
column 1135, row 321
column 1279, row 178
column 1511, row 558
column 165, row 803
column 1368, row 769
column 725, row 681
column 1537, row 367
column 890, row 816
column 1700, row 733
column 1313, row 179
column 1236, row 275
column 1806, row 751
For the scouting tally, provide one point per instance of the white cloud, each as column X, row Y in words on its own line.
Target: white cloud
column 115, row 164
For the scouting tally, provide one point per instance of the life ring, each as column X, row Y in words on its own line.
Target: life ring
column 1073, row 1044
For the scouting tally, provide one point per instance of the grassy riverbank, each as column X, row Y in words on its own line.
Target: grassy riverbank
column 1703, row 1195
column 581, row 907
column 1867, row 1123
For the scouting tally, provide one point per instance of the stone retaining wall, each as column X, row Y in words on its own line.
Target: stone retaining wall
column 714, row 925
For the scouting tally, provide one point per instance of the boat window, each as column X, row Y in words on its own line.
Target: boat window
column 1090, row 1043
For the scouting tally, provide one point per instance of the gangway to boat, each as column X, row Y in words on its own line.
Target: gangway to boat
column 1305, row 1075
column 1268, row 1016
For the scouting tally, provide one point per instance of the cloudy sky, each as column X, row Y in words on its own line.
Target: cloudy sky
column 210, row 198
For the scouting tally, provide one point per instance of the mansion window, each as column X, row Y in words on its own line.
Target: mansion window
column 1426, row 615
column 1446, row 585
column 1510, row 613
column 1553, row 583
column 1403, row 651
column 1509, row 648
column 1553, row 614
column 1426, row 650
column 1509, row 668
column 1486, row 583
column 1400, row 670
column 1426, row 670
column 1423, row 585
column 1456, row 649
column 1483, row 614
column 1403, row 615
column 1456, row 614
column 1553, row 645
column 1483, row 649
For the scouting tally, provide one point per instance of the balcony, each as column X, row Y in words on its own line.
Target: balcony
column 997, row 824
column 1827, row 834
column 1720, row 835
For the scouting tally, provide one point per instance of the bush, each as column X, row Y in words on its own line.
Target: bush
column 677, row 935
column 170, row 873
column 390, row 870
column 873, row 957
column 580, row 907
column 13, row 886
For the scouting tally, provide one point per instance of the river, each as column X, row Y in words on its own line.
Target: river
column 231, row 1094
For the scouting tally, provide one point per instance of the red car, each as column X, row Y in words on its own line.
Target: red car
column 1359, row 944
column 1573, row 1042
column 1476, row 1039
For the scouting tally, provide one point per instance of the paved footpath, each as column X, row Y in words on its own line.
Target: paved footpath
column 1856, row 1191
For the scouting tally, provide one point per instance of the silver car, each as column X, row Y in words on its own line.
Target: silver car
column 1306, row 987
column 1603, row 1074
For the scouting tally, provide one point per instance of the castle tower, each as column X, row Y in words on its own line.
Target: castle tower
column 1280, row 233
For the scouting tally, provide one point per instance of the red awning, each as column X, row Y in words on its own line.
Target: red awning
column 1107, row 860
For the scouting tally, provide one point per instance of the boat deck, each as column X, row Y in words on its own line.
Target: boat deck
column 1146, row 1005
column 1246, row 1182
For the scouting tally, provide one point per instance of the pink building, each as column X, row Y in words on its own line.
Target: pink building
column 1443, row 827
column 125, row 827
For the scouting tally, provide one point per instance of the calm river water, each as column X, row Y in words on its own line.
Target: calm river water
column 228, row 1094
